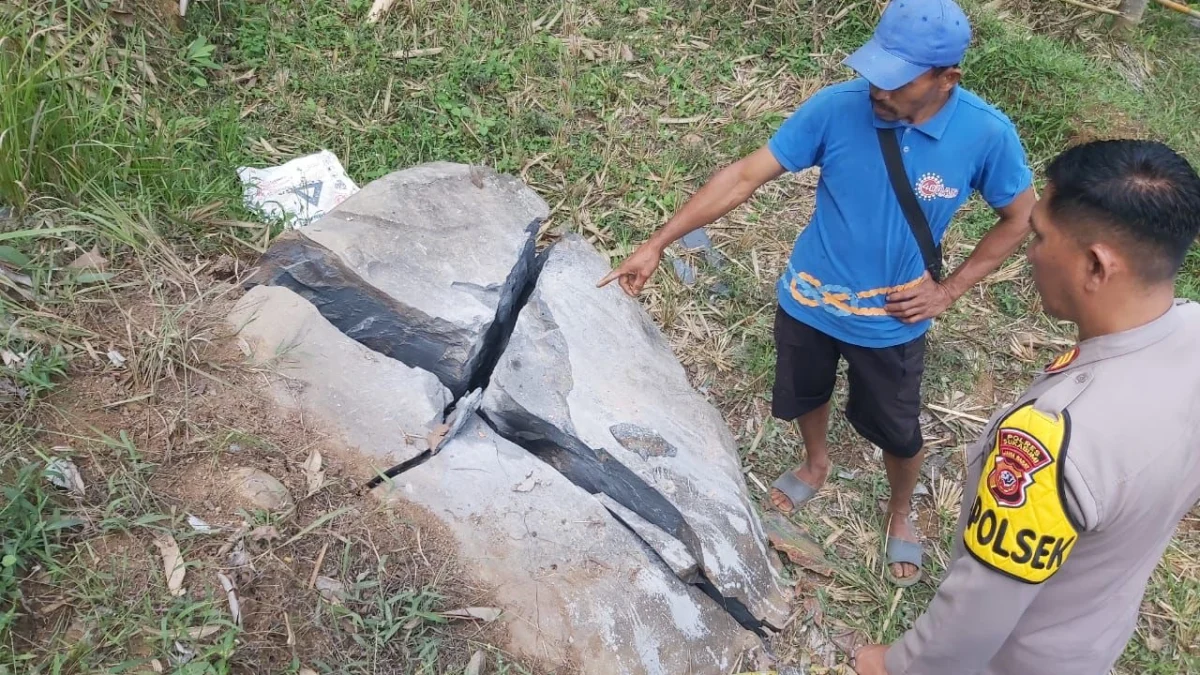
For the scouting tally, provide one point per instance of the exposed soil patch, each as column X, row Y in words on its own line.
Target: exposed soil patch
column 336, row 582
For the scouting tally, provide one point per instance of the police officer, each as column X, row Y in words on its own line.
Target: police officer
column 1074, row 491
column 859, row 286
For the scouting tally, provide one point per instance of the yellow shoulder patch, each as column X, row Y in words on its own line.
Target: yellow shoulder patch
column 1018, row 523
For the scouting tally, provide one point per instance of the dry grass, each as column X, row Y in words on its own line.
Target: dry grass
column 156, row 439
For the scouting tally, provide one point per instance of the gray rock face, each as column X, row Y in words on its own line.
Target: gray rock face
column 376, row 404
column 595, row 491
column 589, row 384
column 423, row 265
column 575, row 585
column 668, row 548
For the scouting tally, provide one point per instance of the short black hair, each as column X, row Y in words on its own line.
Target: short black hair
column 1143, row 192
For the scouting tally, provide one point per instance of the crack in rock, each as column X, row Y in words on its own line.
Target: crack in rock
column 599, row 473
column 594, row 470
column 361, row 311
column 559, row 385
column 424, row 265
column 575, row 583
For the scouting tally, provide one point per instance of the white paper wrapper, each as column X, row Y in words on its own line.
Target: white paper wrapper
column 299, row 191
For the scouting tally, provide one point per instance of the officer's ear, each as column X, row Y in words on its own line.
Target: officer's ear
column 1104, row 264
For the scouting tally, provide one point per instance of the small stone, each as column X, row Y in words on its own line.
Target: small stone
column 796, row 544
column 331, row 589
column 223, row 267
column 696, row 240
column 475, row 666
column 643, row 441
column 92, row 260
column 261, row 489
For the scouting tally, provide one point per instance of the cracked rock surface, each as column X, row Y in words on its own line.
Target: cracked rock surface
column 578, row 585
column 423, row 265
column 591, row 362
column 376, row 404
column 595, row 491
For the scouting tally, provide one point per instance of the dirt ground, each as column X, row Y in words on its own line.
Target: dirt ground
column 334, row 580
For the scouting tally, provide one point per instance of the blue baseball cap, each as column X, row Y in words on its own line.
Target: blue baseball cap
column 912, row 37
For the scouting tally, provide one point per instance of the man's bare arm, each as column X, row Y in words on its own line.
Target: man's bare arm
column 927, row 300
column 996, row 246
column 726, row 190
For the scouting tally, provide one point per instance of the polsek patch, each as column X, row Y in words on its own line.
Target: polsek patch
column 1017, row 457
column 1018, row 524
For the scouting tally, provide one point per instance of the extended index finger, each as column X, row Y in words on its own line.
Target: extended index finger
column 608, row 278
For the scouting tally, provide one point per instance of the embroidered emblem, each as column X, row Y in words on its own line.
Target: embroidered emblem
column 1018, row 524
column 1063, row 361
column 1018, row 457
column 930, row 187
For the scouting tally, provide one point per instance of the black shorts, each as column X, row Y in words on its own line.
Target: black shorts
column 885, row 384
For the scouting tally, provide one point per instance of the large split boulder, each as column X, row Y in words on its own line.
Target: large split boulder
column 596, row 492
column 576, row 586
column 588, row 383
column 423, row 265
column 377, row 405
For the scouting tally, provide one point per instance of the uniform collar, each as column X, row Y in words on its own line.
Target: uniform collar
column 935, row 126
column 1117, row 344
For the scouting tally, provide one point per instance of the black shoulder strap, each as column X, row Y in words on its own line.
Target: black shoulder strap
column 930, row 253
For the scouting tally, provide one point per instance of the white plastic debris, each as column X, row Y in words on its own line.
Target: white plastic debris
column 299, row 191
column 63, row 473
column 200, row 526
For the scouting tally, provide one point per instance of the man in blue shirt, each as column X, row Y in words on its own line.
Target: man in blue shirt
column 857, row 286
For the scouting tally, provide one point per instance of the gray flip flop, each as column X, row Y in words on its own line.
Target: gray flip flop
column 901, row 551
column 794, row 489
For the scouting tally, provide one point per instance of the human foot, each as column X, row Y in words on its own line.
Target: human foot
column 798, row 486
column 904, row 545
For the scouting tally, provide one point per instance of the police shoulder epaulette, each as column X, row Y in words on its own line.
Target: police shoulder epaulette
column 1019, row 524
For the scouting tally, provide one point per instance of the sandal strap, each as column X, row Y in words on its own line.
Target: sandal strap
column 794, row 489
column 901, row 551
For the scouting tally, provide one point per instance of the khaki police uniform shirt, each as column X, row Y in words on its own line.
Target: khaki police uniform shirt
column 1072, row 495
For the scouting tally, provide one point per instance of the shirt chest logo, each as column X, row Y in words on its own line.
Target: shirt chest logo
column 931, row 186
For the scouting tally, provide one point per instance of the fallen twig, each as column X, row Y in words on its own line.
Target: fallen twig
column 316, row 572
column 955, row 413
column 1093, row 8
column 417, row 53
column 378, row 9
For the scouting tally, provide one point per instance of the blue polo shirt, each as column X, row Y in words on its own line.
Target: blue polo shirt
column 858, row 247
